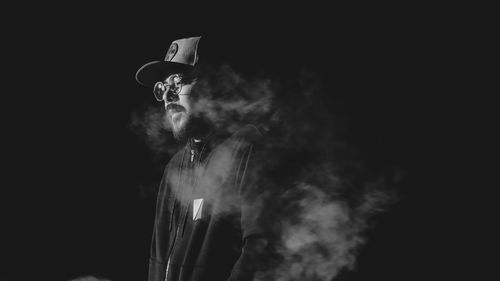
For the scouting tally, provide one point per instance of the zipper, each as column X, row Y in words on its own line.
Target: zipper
column 173, row 244
column 182, row 223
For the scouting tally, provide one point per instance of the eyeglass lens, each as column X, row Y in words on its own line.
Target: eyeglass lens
column 172, row 86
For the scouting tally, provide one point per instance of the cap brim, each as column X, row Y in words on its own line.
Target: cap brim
column 155, row 71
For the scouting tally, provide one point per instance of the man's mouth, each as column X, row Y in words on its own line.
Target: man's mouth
column 172, row 112
column 173, row 108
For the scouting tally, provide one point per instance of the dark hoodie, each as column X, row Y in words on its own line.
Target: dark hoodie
column 208, row 224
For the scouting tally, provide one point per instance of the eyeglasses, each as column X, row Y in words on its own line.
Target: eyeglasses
column 172, row 87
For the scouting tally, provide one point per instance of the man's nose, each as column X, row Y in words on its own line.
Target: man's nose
column 167, row 103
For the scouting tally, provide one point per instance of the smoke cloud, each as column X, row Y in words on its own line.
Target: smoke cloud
column 321, row 229
column 320, row 240
column 229, row 100
column 153, row 127
column 323, row 195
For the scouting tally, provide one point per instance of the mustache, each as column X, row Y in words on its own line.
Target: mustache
column 172, row 107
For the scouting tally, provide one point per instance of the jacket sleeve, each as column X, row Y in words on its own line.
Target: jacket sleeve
column 254, row 234
column 162, row 225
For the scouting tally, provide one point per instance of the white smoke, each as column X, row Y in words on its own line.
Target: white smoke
column 229, row 100
column 322, row 237
column 154, row 129
column 321, row 228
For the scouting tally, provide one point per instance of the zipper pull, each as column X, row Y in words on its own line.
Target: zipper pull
column 192, row 155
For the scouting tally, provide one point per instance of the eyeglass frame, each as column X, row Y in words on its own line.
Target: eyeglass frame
column 171, row 92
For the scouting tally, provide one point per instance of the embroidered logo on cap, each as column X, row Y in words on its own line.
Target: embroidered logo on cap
column 172, row 51
column 197, row 208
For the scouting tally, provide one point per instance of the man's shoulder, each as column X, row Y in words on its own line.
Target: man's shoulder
column 176, row 159
column 248, row 133
column 240, row 140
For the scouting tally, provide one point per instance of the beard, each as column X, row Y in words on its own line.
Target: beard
column 189, row 126
column 181, row 121
column 181, row 127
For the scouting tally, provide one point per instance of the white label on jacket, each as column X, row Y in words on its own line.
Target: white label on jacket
column 197, row 208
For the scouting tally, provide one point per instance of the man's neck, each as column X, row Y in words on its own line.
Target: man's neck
column 200, row 129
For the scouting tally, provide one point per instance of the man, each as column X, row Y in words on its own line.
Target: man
column 208, row 223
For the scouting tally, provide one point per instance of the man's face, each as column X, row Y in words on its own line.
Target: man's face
column 179, row 107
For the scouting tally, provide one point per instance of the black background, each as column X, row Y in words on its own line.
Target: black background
column 74, row 200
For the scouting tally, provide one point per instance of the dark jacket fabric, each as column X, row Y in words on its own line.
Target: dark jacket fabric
column 208, row 223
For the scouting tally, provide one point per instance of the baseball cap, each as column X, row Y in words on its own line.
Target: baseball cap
column 182, row 56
